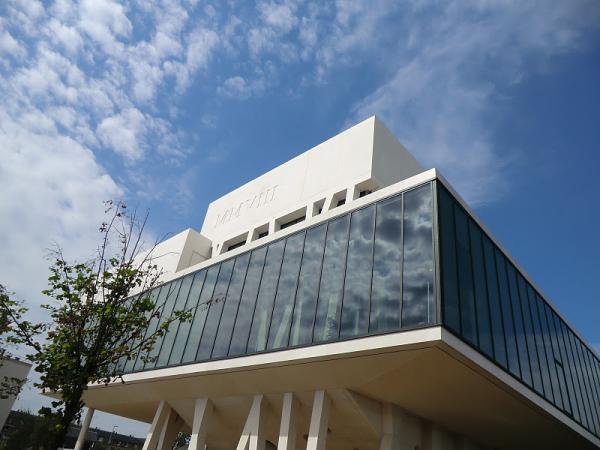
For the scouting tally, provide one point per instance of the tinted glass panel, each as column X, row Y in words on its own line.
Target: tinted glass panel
column 497, row 321
column 449, row 274
column 158, row 295
column 519, row 326
column 357, row 286
column 230, row 309
column 193, row 294
column 286, row 292
column 570, row 368
column 332, row 280
column 241, row 330
column 549, row 353
column 465, row 277
column 215, row 308
column 481, row 297
column 540, row 345
column 130, row 364
column 534, row 363
column 418, row 293
column 509, row 327
column 387, row 267
column 266, row 295
column 197, row 326
column 177, row 304
column 308, row 286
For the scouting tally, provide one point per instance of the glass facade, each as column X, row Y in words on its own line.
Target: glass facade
column 372, row 271
column 490, row 305
column 366, row 272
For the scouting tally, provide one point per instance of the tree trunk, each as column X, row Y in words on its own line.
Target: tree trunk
column 59, row 434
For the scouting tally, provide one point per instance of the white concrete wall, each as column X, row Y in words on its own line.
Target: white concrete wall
column 11, row 368
column 362, row 154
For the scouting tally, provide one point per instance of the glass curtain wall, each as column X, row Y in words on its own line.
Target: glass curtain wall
column 368, row 271
column 490, row 305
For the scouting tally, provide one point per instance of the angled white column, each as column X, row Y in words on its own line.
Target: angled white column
column 202, row 411
column 84, row 429
column 317, row 433
column 253, row 437
column 157, row 426
column 171, row 427
column 287, row 429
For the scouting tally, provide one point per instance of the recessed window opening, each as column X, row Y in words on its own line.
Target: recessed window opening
column 260, row 232
column 236, row 245
column 338, row 199
column 290, row 219
column 317, row 207
column 364, row 193
column 291, row 222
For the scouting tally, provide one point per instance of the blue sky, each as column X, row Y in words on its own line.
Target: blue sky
column 169, row 105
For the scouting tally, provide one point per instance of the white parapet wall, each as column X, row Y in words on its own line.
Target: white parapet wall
column 363, row 158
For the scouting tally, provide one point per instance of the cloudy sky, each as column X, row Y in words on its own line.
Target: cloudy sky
column 171, row 104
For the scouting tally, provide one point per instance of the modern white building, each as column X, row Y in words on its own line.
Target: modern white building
column 350, row 299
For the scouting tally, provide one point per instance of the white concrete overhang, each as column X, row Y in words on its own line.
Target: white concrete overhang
column 428, row 372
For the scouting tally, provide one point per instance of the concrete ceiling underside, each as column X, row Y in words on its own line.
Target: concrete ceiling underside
column 430, row 380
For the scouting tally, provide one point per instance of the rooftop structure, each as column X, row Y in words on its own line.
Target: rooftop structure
column 351, row 299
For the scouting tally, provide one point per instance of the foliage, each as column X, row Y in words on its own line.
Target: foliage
column 31, row 432
column 9, row 386
column 94, row 325
column 181, row 440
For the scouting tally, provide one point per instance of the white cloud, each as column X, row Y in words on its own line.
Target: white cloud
column 105, row 22
column 9, row 46
column 439, row 100
column 122, row 133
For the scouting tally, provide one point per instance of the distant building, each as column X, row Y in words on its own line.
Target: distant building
column 11, row 369
column 350, row 299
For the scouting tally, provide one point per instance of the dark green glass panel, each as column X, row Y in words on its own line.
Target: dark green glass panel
column 418, row 292
column 519, row 325
column 540, row 345
column 450, row 299
column 536, row 375
column 465, row 277
column 509, row 327
column 549, row 353
column 481, row 296
column 497, row 321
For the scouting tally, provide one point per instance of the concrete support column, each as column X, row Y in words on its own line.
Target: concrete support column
column 253, row 437
column 287, row 429
column 158, row 423
column 319, row 419
column 399, row 430
column 202, row 412
column 84, row 429
column 168, row 434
